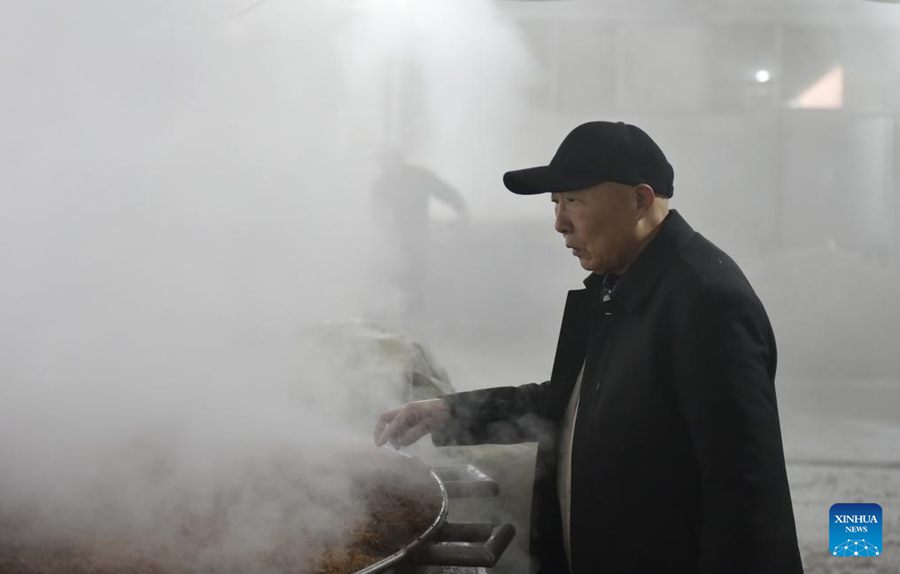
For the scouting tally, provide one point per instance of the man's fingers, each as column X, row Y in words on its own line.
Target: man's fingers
column 379, row 427
column 395, row 426
column 409, row 423
column 381, row 424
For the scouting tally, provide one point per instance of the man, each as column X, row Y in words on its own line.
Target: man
column 659, row 441
column 402, row 193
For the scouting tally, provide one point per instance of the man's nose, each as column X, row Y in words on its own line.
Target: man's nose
column 562, row 223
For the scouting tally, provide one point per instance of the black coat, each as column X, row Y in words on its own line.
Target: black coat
column 677, row 460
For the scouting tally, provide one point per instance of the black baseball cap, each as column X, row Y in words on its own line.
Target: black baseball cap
column 594, row 153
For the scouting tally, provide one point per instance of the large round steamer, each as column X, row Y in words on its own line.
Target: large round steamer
column 404, row 527
column 415, row 476
column 442, row 543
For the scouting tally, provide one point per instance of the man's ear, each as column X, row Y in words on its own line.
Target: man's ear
column 644, row 197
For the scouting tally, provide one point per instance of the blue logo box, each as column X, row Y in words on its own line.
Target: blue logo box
column 854, row 530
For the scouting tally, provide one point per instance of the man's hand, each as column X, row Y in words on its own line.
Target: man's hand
column 412, row 421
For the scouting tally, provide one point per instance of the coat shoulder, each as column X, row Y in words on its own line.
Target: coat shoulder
column 703, row 269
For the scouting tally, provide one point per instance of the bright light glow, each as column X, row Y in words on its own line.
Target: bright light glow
column 763, row 76
column 825, row 93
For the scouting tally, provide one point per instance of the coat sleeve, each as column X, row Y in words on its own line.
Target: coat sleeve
column 503, row 415
column 724, row 384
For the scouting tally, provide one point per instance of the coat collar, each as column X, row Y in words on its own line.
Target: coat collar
column 639, row 279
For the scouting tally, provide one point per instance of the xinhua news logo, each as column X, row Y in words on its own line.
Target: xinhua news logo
column 855, row 530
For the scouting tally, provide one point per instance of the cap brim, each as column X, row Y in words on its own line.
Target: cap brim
column 542, row 179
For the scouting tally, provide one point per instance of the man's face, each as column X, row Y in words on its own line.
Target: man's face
column 599, row 225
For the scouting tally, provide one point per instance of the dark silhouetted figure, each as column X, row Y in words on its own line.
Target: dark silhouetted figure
column 401, row 196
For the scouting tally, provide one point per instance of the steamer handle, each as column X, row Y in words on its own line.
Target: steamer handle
column 466, row 544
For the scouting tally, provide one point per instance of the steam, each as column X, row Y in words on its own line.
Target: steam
column 259, row 458
column 178, row 220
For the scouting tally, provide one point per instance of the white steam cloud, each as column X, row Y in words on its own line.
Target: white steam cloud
column 184, row 200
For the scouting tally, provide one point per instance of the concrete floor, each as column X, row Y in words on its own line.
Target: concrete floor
column 815, row 488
